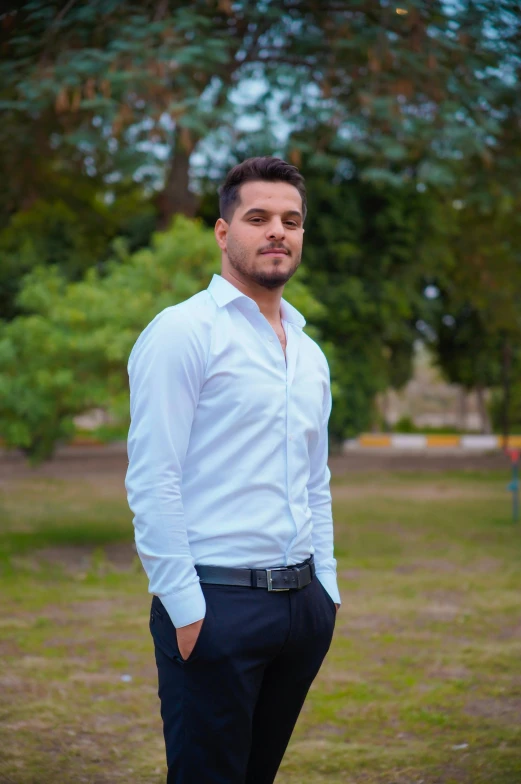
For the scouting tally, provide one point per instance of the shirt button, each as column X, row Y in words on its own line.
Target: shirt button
column 270, row 338
column 291, row 438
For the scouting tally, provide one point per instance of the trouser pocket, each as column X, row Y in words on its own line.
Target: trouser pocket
column 329, row 600
column 164, row 633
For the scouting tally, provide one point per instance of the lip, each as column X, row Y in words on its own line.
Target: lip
column 274, row 253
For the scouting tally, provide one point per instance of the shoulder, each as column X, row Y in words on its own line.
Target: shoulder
column 195, row 313
column 187, row 324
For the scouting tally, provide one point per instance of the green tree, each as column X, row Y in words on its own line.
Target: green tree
column 476, row 318
column 98, row 89
column 70, row 234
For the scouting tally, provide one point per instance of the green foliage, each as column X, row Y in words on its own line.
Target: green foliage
column 93, row 89
column 48, row 233
column 405, row 425
column 362, row 262
column 69, row 352
column 475, row 320
column 70, row 235
column 467, row 351
column 89, row 86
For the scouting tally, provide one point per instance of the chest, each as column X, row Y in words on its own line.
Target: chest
column 250, row 378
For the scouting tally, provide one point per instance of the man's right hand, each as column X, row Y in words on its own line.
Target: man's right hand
column 187, row 637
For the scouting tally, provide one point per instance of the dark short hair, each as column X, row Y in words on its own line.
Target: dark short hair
column 262, row 168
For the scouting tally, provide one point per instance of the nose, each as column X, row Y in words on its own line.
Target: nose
column 275, row 229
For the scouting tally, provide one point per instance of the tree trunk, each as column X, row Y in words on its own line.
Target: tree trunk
column 486, row 426
column 506, row 382
column 176, row 196
column 462, row 414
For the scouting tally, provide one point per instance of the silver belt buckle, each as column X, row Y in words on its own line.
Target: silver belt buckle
column 270, row 578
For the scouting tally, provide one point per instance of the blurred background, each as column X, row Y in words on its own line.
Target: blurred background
column 119, row 121
column 118, row 118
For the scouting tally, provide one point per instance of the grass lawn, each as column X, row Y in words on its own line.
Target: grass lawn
column 422, row 683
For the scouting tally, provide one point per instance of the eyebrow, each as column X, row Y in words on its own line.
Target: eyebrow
column 262, row 211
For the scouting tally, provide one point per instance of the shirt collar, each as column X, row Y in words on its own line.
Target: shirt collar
column 225, row 292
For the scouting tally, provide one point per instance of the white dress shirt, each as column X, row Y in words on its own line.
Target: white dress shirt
column 227, row 446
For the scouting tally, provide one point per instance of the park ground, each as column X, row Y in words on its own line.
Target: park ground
column 422, row 684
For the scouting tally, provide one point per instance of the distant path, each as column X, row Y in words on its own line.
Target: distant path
column 109, row 463
column 360, row 460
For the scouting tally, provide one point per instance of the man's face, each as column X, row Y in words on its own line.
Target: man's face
column 263, row 241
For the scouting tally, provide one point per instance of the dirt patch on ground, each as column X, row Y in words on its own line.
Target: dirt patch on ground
column 361, row 460
column 422, row 492
column 69, row 557
column 454, row 672
column 7, row 648
column 504, row 709
column 444, row 566
column 103, row 467
column 374, row 622
column 107, row 465
column 74, row 558
column 439, row 611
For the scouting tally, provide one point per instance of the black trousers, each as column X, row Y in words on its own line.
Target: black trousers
column 229, row 710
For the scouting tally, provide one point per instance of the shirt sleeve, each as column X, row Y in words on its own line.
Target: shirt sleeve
column 166, row 371
column 319, row 500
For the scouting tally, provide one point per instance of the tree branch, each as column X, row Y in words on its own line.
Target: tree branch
column 54, row 24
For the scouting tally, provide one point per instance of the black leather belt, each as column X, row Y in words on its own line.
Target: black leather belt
column 279, row 578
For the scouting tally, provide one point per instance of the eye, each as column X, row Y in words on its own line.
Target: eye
column 255, row 219
column 293, row 224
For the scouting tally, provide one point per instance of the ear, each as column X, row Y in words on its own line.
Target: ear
column 221, row 233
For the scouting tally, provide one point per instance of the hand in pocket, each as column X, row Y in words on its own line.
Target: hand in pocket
column 187, row 637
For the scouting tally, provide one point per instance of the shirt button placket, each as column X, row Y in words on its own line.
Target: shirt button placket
column 290, row 438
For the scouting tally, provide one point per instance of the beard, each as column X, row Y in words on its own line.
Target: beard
column 272, row 278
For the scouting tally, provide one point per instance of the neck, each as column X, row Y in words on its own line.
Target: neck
column 268, row 300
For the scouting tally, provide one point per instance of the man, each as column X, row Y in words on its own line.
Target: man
column 229, row 484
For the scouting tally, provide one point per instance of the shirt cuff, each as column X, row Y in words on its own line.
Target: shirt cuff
column 329, row 582
column 185, row 606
